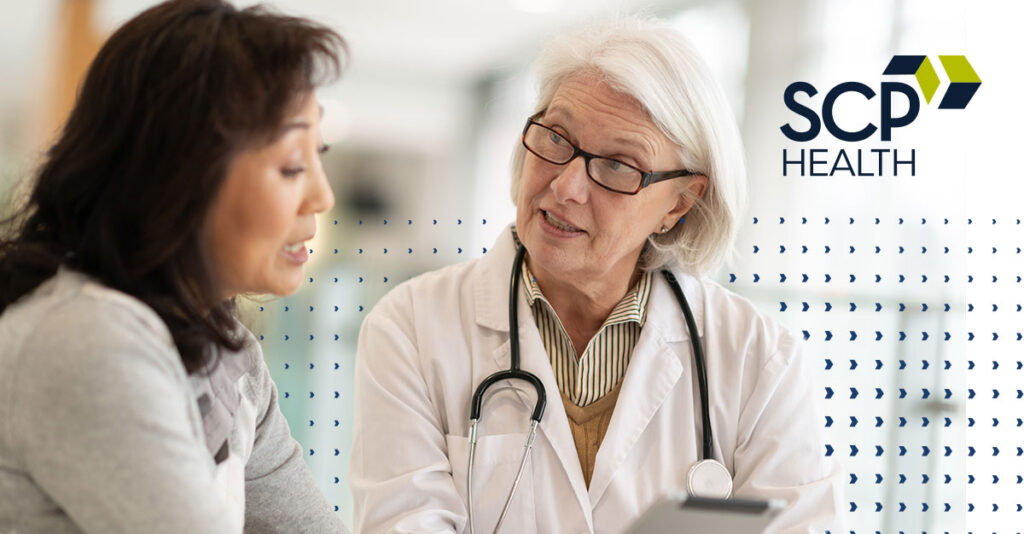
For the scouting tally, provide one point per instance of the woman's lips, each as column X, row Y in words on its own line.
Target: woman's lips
column 296, row 252
column 556, row 226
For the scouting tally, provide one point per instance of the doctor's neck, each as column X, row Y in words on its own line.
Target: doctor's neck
column 582, row 303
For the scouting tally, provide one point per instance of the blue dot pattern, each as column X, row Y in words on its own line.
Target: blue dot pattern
column 887, row 325
column 881, row 308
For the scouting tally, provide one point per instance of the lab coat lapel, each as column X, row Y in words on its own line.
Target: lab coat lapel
column 492, row 290
column 490, row 284
column 655, row 367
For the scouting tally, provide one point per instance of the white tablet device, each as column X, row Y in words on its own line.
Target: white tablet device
column 682, row 514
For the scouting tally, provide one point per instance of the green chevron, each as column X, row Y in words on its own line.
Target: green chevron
column 928, row 80
column 959, row 70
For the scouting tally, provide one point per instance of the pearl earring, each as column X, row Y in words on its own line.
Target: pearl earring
column 664, row 229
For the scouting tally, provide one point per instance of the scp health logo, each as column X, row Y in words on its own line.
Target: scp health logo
column 884, row 160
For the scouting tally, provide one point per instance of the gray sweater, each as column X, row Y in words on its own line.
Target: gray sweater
column 102, row 430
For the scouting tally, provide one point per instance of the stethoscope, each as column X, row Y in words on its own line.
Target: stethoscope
column 706, row 478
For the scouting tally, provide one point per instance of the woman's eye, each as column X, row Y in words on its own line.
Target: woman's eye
column 323, row 148
column 291, row 172
column 556, row 139
column 618, row 166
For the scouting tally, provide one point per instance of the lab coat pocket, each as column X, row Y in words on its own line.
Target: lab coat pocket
column 495, row 466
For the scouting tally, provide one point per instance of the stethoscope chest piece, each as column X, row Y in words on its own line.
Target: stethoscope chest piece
column 709, row 478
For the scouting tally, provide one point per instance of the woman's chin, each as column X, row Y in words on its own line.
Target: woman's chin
column 285, row 285
column 287, row 290
column 554, row 260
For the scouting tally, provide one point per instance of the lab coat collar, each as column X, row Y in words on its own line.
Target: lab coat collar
column 664, row 311
column 491, row 285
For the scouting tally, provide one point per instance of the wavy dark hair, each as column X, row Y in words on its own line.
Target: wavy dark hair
column 123, row 193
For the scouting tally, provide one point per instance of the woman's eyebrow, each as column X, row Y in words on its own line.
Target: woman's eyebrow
column 558, row 113
column 632, row 143
column 296, row 125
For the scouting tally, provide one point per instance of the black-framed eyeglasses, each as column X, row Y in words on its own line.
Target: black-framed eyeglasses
column 608, row 173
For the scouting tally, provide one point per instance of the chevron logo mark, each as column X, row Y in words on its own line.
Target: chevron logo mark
column 921, row 68
column 963, row 81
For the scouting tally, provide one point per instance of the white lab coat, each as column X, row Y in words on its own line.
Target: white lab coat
column 427, row 345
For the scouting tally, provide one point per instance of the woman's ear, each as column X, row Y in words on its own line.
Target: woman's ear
column 695, row 189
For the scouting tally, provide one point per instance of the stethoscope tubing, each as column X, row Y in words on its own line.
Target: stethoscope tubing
column 698, row 358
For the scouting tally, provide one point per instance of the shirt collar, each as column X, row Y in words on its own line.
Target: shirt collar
column 632, row 307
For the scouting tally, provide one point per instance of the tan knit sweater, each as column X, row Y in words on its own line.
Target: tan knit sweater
column 589, row 424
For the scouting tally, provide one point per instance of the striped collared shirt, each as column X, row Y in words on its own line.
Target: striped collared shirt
column 585, row 379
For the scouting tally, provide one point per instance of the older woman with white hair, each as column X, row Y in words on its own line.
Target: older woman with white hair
column 628, row 182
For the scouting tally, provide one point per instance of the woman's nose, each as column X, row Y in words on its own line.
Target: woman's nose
column 319, row 196
column 572, row 183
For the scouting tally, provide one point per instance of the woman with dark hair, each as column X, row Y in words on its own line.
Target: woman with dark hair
column 188, row 173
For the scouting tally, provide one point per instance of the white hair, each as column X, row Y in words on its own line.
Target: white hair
column 655, row 65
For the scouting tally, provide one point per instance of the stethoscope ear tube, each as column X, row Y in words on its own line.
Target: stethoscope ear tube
column 698, row 358
column 513, row 308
